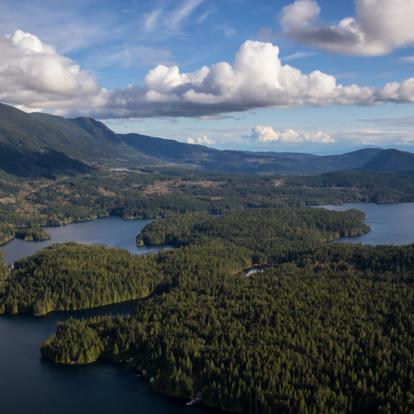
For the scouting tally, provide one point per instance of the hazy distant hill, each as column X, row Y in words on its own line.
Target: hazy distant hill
column 390, row 160
column 39, row 144
column 244, row 161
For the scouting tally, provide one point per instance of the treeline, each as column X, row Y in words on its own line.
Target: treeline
column 72, row 276
column 381, row 188
column 32, row 234
column 7, row 233
column 306, row 338
column 271, row 234
column 4, row 274
column 146, row 193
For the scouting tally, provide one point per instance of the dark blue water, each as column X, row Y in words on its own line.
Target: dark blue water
column 30, row 385
column 390, row 223
column 111, row 231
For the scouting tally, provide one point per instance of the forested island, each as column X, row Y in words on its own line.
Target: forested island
column 32, row 234
column 147, row 193
column 72, row 276
column 327, row 328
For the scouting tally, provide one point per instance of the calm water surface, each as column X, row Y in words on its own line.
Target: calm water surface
column 111, row 231
column 30, row 385
column 390, row 223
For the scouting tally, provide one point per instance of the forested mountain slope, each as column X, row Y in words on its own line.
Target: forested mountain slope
column 39, row 144
column 36, row 144
column 390, row 160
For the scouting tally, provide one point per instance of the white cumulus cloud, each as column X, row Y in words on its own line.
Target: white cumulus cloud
column 201, row 140
column 266, row 134
column 257, row 78
column 378, row 27
column 34, row 75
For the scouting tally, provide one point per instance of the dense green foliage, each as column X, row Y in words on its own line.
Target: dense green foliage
column 263, row 230
column 314, row 337
column 152, row 193
column 329, row 329
column 7, row 233
column 367, row 187
column 72, row 276
column 318, row 328
column 86, row 345
column 4, row 273
column 32, row 234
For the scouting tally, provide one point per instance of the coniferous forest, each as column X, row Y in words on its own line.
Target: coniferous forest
column 317, row 327
column 254, row 309
column 72, row 276
column 26, row 205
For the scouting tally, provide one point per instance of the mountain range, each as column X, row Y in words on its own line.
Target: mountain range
column 38, row 144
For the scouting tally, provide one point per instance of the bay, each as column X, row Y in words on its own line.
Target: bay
column 110, row 231
column 390, row 223
column 31, row 385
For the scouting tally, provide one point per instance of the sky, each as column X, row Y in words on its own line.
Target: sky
column 316, row 76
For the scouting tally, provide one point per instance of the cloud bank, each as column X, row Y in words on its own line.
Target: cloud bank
column 35, row 76
column 256, row 79
column 378, row 27
column 266, row 134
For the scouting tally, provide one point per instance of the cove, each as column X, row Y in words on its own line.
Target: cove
column 110, row 231
column 31, row 385
column 390, row 223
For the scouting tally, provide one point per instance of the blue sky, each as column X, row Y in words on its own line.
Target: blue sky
column 97, row 58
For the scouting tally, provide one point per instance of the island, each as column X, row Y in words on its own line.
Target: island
column 319, row 329
column 32, row 234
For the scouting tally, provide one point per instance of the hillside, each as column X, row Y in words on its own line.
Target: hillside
column 390, row 160
column 38, row 144
column 96, row 128
column 245, row 161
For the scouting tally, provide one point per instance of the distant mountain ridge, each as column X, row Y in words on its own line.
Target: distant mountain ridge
column 37, row 144
column 390, row 160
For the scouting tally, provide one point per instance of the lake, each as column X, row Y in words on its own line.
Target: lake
column 30, row 385
column 111, row 231
column 390, row 223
